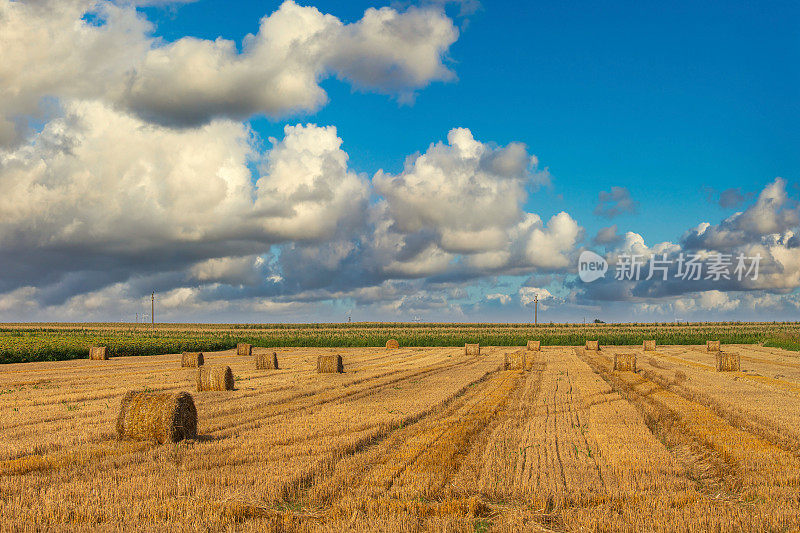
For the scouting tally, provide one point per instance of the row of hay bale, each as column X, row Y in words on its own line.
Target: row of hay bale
column 725, row 361
column 647, row 346
column 267, row 361
column 519, row 359
column 171, row 417
column 326, row 364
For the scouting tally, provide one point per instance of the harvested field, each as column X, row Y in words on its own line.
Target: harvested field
column 412, row 439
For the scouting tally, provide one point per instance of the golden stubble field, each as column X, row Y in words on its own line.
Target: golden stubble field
column 413, row 439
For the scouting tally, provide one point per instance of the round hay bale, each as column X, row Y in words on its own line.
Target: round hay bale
column 191, row 359
column 649, row 346
column 625, row 362
column 158, row 417
column 472, row 349
column 244, row 349
column 712, row 346
column 728, row 362
column 214, row 378
column 267, row 361
column 593, row 345
column 534, row 346
column 514, row 361
column 330, row 364
column 99, row 353
column 392, row 344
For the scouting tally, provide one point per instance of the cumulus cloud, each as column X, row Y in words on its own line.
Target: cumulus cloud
column 51, row 51
column 453, row 213
column 306, row 191
column 97, row 49
column 392, row 51
column 461, row 202
column 247, row 270
column 528, row 295
column 408, row 238
column 551, row 246
column 125, row 167
column 104, row 193
column 109, row 181
column 468, row 193
column 103, row 179
column 615, row 202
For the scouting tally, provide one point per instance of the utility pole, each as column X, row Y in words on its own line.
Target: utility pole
column 153, row 309
column 535, row 308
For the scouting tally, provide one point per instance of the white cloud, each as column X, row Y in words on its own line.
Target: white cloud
column 464, row 199
column 49, row 51
column 468, row 193
column 231, row 270
column 773, row 213
column 106, row 180
column 306, row 190
column 124, row 167
column 100, row 178
column 107, row 197
column 527, row 295
column 550, row 246
column 392, row 51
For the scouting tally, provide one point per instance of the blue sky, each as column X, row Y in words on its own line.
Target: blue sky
column 671, row 104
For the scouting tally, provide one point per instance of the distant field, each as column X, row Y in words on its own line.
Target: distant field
column 52, row 342
column 413, row 439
